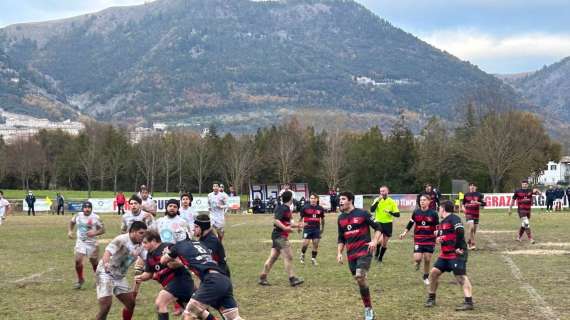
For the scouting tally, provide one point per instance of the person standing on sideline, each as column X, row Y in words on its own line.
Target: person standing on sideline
column 31, row 200
column 550, row 196
column 4, row 208
column 280, row 238
column 60, row 204
column 354, row 234
column 384, row 209
column 333, row 199
column 453, row 256
column 120, row 201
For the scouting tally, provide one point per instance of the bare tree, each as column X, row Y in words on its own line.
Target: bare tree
column 148, row 156
column 89, row 148
column 22, row 156
column 288, row 149
column 200, row 161
column 334, row 159
column 433, row 152
column 181, row 142
column 238, row 161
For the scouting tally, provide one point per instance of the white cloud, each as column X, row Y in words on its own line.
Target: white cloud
column 472, row 45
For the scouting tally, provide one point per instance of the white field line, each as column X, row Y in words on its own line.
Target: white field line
column 238, row 224
column 33, row 276
column 545, row 309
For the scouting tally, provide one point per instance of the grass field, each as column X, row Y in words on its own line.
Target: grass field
column 37, row 274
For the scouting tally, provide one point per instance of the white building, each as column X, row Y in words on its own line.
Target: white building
column 556, row 172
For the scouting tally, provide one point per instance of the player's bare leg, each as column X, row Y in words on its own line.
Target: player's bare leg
column 231, row 314
column 427, row 265
column 304, row 247
column 362, row 282
column 432, row 288
column 417, row 258
column 197, row 311
column 104, row 307
column 79, row 270
column 94, row 259
column 161, row 302
column 288, row 262
column 315, row 251
column 465, row 284
column 128, row 300
column 273, row 256
column 220, row 233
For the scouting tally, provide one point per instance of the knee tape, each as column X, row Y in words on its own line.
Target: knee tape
column 525, row 222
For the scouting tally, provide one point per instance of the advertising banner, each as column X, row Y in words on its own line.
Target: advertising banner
column 266, row 191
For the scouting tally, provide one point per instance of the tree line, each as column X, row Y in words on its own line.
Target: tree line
column 493, row 148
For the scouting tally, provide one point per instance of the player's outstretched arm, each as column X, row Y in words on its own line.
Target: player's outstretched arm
column 70, row 228
column 339, row 251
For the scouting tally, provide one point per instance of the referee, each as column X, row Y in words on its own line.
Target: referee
column 384, row 209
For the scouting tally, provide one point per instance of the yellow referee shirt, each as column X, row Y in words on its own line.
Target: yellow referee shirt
column 384, row 206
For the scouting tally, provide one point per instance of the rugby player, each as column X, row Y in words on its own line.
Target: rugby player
column 312, row 222
column 112, row 269
column 354, row 234
column 177, row 284
column 280, row 239
column 187, row 212
column 217, row 202
column 4, row 208
column 453, row 256
column 204, row 232
column 384, row 209
column 471, row 204
column 425, row 221
column 215, row 288
column 135, row 214
column 89, row 226
column 523, row 197
column 172, row 228
column 147, row 204
column 431, row 195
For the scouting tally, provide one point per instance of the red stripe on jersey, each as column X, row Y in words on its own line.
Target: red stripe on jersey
column 362, row 231
column 361, row 253
column 356, row 245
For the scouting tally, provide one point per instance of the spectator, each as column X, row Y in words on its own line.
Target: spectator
column 559, row 198
column 31, row 200
column 568, row 196
column 60, row 203
column 258, row 206
column 232, row 191
column 550, row 196
column 333, row 199
column 120, row 201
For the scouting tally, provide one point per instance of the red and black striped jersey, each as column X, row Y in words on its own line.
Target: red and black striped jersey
column 472, row 208
column 162, row 273
column 448, row 231
column 354, row 232
column 425, row 225
column 312, row 216
column 283, row 214
column 523, row 197
column 432, row 195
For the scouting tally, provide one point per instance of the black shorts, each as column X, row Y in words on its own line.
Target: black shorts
column 418, row 248
column 362, row 263
column 312, row 233
column 216, row 290
column 458, row 266
column 181, row 288
column 524, row 213
column 386, row 228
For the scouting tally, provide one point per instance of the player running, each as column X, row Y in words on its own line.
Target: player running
column 384, row 209
column 187, row 212
column 425, row 221
column 147, row 204
column 523, row 197
column 135, row 214
column 313, row 224
column 204, row 232
column 280, row 239
column 112, row 269
column 453, row 256
column 172, row 228
column 177, row 284
column 217, row 202
column 215, row 289
column 89, row 226
column 4, row 208
column 471, row 204
column 354, row 234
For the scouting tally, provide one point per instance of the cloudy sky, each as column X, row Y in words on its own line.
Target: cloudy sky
column 500, row 36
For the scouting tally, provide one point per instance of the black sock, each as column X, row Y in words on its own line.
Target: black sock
column 303, row 250
column 382, row 252
column 426, row 275
column 314, row 254
column 210, row 317
column 291, row 279
column 469, row 300
column 163, row 316
column 431, row 296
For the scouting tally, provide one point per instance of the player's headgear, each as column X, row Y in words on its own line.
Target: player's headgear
column 87, row 204
column 172, row 201
column 203, row 221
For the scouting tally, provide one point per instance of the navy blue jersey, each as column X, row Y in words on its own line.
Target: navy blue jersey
column 283, row 214
column 425, row 225
column 195, row 256
column 312, row 216
column 211, row 241
column 354, row 232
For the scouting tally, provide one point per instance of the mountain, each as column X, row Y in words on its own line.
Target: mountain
column 244, row 63
column 28, row 92
column 548, row 88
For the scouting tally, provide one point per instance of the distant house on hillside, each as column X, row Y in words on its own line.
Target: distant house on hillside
column 556, row 172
